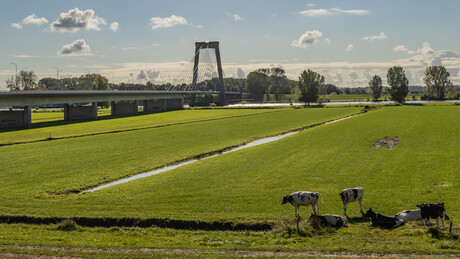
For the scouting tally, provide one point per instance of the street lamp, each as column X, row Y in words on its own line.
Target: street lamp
column 15, row 81
column 57, row 72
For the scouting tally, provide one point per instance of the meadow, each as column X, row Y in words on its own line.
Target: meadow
column 242, row 186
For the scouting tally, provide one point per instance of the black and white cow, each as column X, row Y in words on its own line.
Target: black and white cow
column 352, row 195
column 409, row 215
column 303, row 199
column 433, row 211
column 383, row 221
column 335, row 221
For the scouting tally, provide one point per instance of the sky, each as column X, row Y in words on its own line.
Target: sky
column 138, row 41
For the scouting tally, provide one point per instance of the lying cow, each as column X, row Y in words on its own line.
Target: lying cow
column 433, row 211
column 383, row 221
column 409, row 215
column 352, row 195
column 303, row 199
column 335, row 221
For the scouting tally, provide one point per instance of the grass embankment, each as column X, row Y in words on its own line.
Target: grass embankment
column 248, row 185
column 33, row 171
column 47, row 125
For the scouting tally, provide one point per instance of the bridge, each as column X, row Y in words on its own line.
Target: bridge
column 123, row 103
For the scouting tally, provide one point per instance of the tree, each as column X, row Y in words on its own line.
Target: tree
column 26, row 80
column 330, row 88
column 437, row 82
column 85, row 82
column 101, row 83
column 399, row 85
column 376, row 87
column 257, row 83
column 11, row 83
column 309, row 85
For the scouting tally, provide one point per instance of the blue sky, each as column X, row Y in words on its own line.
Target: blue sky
column 140, row 41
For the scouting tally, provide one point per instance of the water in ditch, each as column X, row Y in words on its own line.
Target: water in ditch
column 168, row 168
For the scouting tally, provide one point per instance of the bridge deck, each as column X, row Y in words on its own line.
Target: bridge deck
column 26, row 98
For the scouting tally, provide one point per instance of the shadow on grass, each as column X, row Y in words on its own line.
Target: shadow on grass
column 358, row 220
column 62, row 122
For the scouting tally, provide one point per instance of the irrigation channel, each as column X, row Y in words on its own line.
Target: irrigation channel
column 248, row 145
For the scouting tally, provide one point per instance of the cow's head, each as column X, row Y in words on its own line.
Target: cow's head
column 370, row 213
column 286, row 199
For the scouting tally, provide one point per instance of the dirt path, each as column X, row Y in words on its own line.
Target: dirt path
column 30, row 251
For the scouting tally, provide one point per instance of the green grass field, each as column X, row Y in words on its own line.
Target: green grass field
column 243, row 186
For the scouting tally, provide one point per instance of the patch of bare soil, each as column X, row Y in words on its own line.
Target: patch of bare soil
column 386, row 142
column 33, row 252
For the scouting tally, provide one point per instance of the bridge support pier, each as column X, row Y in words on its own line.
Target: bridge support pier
column 16, row 119
column 152, row 106
column 124, row 108
column 174, row 104
column 73, row 113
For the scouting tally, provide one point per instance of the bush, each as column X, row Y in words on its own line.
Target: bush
column 67, row 225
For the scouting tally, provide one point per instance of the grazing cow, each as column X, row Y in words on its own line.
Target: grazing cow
column 303, row 199
column 351, row 195
column 433, row 211
column 335, row 221
column 383, row 221
column 409, row 215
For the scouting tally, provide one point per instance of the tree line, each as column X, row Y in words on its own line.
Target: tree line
column 436, row 79
column 259, row 83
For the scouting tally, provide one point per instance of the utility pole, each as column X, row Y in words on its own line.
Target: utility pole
column 16, row 80
column 57, row 72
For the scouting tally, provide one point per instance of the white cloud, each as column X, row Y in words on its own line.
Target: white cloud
column 237, row 17
column 400, row 48
column 114, row 26
column 307, row 39
column 76, row 48
column 33, row 19
column 333, row 11
column 352, row 11
column 239, row 73
column 311, row 5
column 147, row 76
column 167, row 22
column 315, row 12
column 371, row 38
column 74, row 20
column 16, row 25
column 328, row 41
column 426, row 49
column 349, row 48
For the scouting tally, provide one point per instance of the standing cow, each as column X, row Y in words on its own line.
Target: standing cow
column 303, row 199
column 434, row 211
column 352, row 195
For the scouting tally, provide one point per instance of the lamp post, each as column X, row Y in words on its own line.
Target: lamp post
column 57, row 72
column 16, row 80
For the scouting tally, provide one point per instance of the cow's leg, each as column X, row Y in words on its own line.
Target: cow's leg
column 361, row 206
column 317, row 207
column 314, row 208
column 345, row 204
column 297, row 212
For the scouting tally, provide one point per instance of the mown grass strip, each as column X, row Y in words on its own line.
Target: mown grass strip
column 50, row 138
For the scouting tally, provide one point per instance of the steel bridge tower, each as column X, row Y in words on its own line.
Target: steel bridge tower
column 209, row 45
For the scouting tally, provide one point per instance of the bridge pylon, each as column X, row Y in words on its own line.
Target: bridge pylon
column 209, row 45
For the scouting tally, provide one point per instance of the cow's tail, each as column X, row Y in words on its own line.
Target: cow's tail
column 322, row 202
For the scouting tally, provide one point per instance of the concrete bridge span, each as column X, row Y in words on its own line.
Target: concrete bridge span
column 122, row 103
